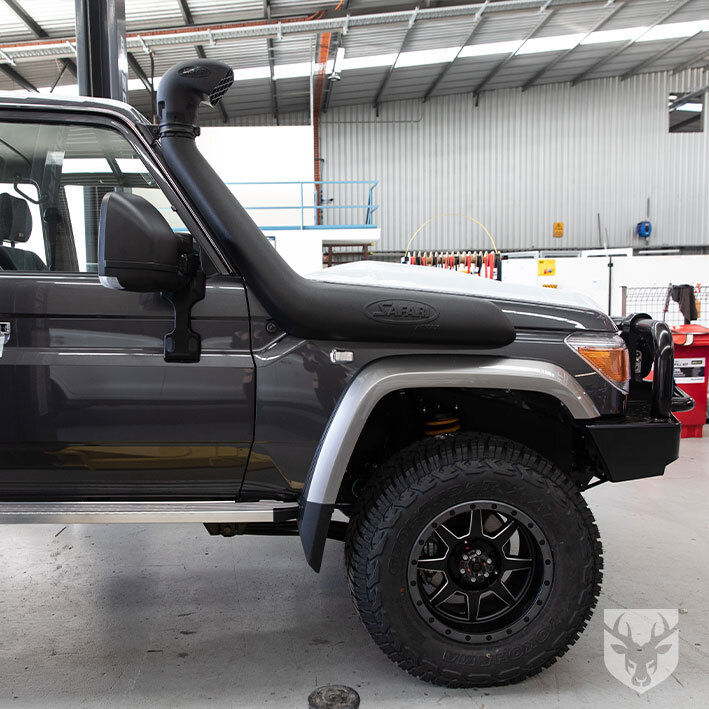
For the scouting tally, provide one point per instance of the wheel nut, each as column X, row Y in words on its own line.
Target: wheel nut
column 465, row 557
column 486, row 574
column 477, row 552
column 462, row 571
column 489, row 561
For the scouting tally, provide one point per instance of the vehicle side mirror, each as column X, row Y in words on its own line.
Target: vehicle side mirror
column 137, row 248
column 138, row 251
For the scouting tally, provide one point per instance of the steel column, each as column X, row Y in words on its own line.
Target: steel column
column 101, row 48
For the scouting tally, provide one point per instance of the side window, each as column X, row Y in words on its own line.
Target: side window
column 20, row 224
column 52, row 181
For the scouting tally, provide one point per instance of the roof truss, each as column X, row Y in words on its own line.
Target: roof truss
column 619, row 50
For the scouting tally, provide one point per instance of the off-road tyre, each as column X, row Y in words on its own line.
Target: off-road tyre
column 418, row 485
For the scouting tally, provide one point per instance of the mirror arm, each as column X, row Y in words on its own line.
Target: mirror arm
column 183, row 344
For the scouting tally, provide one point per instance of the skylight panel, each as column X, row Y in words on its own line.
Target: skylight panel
column 291, row 71
column 481, row 50
column 675, row 30
column 603, row 36
column 366, row 62
column 427, row 56
column 551, row 44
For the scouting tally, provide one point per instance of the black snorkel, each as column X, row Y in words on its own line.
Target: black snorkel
column 183, row 88
column 302, row 307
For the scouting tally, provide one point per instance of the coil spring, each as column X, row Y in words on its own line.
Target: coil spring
column 443, row 423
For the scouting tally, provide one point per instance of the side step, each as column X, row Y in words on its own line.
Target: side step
column 143, row 512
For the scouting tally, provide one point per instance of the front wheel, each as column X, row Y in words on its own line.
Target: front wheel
column 473, row 561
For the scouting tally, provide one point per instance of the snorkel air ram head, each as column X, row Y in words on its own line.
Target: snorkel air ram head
column 183, row 88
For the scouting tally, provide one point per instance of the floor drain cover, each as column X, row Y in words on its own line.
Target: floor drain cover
column 334, row 696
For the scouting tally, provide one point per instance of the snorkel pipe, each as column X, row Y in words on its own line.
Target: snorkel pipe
column 304, row 308
column 183, row 88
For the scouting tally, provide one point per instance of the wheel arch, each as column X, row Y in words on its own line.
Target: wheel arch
column 382, row 377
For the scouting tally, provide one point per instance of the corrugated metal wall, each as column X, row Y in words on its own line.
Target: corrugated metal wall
column 521, row 161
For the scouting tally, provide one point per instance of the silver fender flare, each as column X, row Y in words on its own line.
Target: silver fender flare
column 384, row 376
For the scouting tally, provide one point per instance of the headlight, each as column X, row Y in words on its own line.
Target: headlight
column 606, row 353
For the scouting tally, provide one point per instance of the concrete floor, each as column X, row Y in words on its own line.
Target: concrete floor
column 133, row 616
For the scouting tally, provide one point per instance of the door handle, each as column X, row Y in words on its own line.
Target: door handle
column 5, row 331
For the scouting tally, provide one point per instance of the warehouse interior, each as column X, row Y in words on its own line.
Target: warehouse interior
column 556, row 145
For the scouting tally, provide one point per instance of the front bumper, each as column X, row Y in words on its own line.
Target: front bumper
column 646, row 439
column 635, row 448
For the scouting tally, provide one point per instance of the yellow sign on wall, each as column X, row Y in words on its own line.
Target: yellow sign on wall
column 546, row 267
column 558, row 229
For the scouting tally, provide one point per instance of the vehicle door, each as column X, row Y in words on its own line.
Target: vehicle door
column 89, row 407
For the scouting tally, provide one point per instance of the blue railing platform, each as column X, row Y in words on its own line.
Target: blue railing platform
column 307, row 206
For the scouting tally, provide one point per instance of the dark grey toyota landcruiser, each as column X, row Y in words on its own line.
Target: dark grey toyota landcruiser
column 160, row 362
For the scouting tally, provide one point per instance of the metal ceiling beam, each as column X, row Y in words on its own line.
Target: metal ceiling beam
column 704, row 54
column 476, row 25
column 58, row 79
column 560, row 57
column 272, row 82
column 17, row 77
column 655, row 57
column 686, row 98
column 39, row 32
column 390, row 70
column 225, row 116
column 26, row 19
column 619, row 50
column 188, row 19
column 548, row 14
column 330, row 86
column 138, row 71
column 331, row 82
column 70, row 65
column 200, row 53
column 196, row 35
column 271, row 67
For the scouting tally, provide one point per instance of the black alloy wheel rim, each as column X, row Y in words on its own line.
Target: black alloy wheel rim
column 480, row 571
